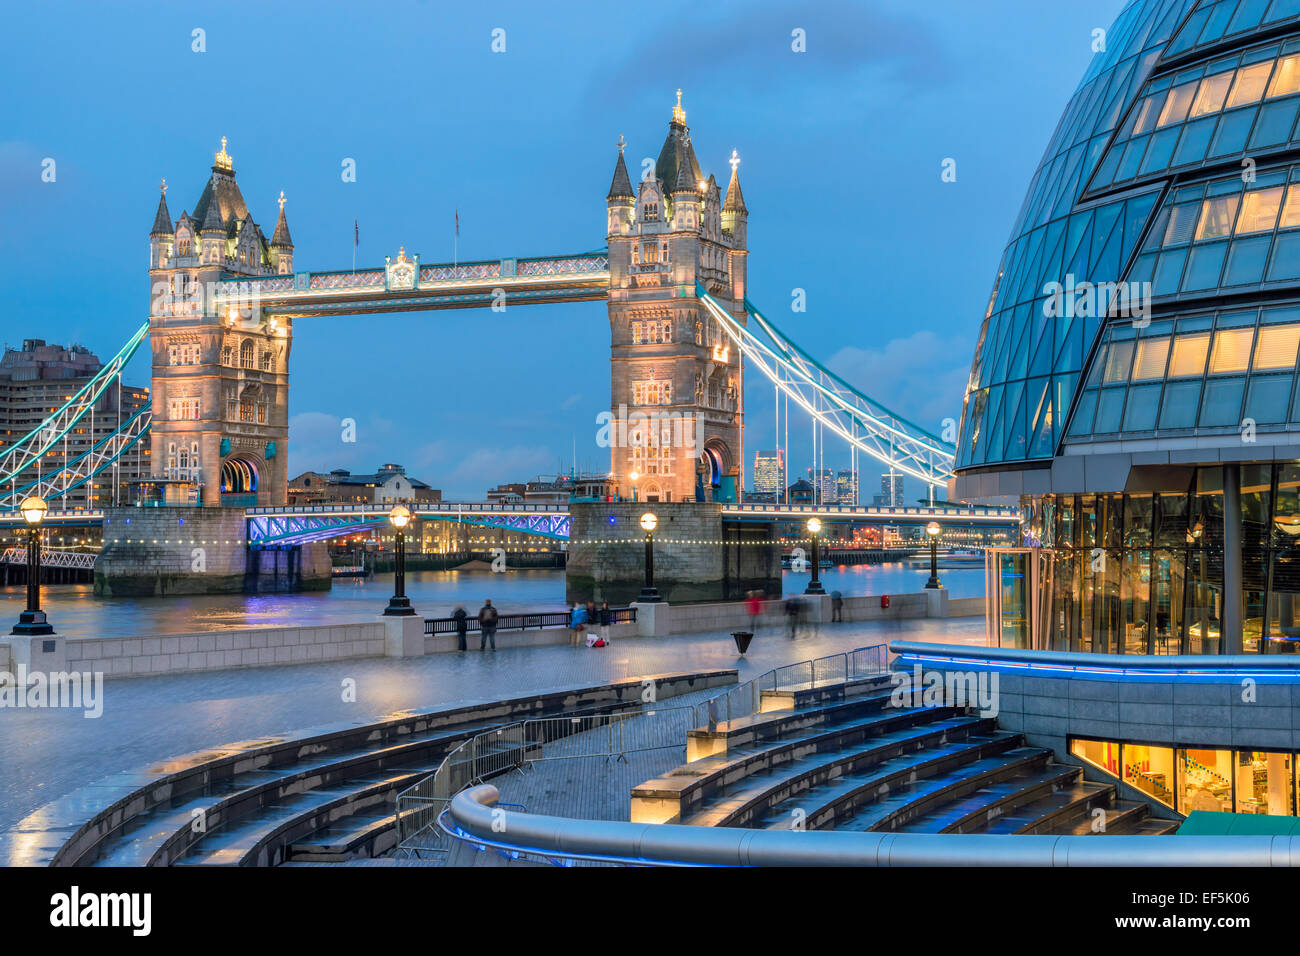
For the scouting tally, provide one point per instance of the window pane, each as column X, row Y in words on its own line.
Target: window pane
column 1246, row 261
column 1291, row 211
column 1249, row 85
column 1204, row 780
column 1209, row 98
column 1182, row 221
column 1140, row 412
column 1108, row 410
column 1259, row 210
column 1151, row 770
column 1204, row 266
column 1180, row 98
column 1117, row 362
column 1151, row 356
column 1100, row 753
column 1180, row 404
column 1287, row 78
column 1264, row 783
column 1216, row 217
column 1146, row 114
column 1221, row 405
column 1277, row 346
column 1268, row 398
column 1189, row 355
column 1231, row 350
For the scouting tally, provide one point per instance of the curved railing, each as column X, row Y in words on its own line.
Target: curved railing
column 474, row 816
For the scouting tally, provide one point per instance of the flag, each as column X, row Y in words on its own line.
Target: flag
column 356, row 233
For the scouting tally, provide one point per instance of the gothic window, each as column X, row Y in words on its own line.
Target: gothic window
column 636, row 333
column 261, row 413
column 636, row 254
column 651, row 211
column 699, row 333
column 183, row 409
column 171, row 458
column 666, row 330
column 266, row 362
column 232, row 409
column 652, row 392
column 650, row 252
column 663, row 251
column 228, row 355
column 246, row 353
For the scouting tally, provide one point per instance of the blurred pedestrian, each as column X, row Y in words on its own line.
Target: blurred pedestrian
column 462, row 625
column 487, row 625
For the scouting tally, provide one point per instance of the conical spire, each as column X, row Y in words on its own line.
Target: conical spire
column 735, row 201
column 281, row 236
column 162, row 220
column 212, row 221
column 621, row 187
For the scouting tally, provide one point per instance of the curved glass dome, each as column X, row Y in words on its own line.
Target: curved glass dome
column 1133, row 196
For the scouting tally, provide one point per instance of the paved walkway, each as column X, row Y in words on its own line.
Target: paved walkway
column 49, row 753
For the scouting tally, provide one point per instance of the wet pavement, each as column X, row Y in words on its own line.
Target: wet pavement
column 46, row 754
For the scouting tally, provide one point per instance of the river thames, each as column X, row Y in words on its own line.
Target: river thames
column 76, row 612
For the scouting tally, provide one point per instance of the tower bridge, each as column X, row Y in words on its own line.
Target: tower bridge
column 673, row 271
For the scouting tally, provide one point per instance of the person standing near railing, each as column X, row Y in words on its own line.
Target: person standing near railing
column 605, row 617
column 487, row 625
column 577, row 622
column 462, row 626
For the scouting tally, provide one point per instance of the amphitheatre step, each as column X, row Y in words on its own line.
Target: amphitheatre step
column 359, row 835
column 1069, row 805
column 972, row 812
column 679, row 793
column 749, row 799
column 1121, row 817
column 820, row 806
column 922, row 796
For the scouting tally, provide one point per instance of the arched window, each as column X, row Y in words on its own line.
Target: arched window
column 246, row 354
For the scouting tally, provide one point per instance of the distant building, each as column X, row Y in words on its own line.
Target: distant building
column 891, row 490
column 824, row 484
column 389, row 484
column 846, row 488
column 800, row 493
column 769, row 472
column 37, row 381
column 554, row 490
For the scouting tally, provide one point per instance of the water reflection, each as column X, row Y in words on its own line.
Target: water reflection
column 75, row 611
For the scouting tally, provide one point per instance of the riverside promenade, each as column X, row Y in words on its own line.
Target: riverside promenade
column 52, row 752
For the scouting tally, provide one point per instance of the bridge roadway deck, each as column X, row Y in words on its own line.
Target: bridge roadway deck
column 52, row 753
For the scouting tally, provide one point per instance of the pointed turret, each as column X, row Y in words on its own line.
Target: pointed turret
column 282, row 242
column 677, row 164
column 162, row 220
column 621, row 187
column 735, row 201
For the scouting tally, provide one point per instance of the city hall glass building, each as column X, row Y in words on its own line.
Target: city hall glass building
column 1134, row 382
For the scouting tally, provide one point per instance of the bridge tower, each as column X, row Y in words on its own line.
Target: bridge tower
column 220, row 382
column 677, row 383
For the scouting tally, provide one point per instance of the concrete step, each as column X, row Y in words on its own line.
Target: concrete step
column 921, row 797
column 1068, row 806
column 748, row 800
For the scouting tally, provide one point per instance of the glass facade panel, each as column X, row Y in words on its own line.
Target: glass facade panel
column 1259, row 210
column 1264, row 783
column 1151, row 355
column 1151, row 770
column 1189, row 355
column 1276, row 347
column 1217, row 217
column 1268, row 399
column 1231, row 352
column 1205, row 780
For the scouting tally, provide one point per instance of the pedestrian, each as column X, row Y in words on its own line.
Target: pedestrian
column 837, row 606
column 487, row 625
column 577, row 623
column 792, row 615
column 606, row 617
column 462, row 625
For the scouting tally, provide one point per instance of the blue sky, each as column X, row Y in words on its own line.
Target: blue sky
column 841, row 150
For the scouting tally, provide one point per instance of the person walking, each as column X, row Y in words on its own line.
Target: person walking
column 606, row 617
column 577, row 622
column 487, row 625
column 462, row 625
column 792, row 608
column 837, row 606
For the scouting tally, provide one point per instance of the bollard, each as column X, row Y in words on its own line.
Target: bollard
column 742, row 639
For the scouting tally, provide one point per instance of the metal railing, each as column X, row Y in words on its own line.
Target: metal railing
column 518, row 622
column 746, row 699
column 609, row 734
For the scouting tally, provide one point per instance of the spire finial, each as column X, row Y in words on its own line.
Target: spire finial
column 401, row 253
column 679, row 114
column 735, row 161
column 162, row 187
column 223, row 159
column 281, row 200
column 621, row 144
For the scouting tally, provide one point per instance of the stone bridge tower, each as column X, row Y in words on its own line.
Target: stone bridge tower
column 220, row 381
column 677, row 381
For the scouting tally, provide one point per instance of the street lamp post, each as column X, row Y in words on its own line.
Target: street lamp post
column 649, row 593
column 815, row 585
column 632, row 477
column 399, row 604
column 932, row 529
column 33, row 621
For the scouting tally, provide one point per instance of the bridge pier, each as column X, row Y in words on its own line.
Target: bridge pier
column 698, row 556
column 185, row 550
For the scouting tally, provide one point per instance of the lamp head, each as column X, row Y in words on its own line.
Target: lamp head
column 814, row 525
column 633, row 475
column 33, row 509
column 932, row 529
column 400, row 516
column 649, row 521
